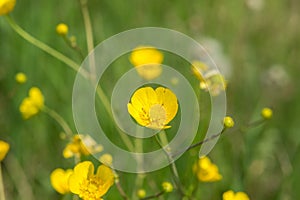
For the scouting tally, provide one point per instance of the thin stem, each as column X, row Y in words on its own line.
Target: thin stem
column 163, row 141
column 73, row 45
column 60, row 120
column 153, row 196
column 119, row 187
column 43, row 46
column 89, row 36
column 139, row 149
column 241, row 129
column 19, row 178
column 2, row 192
column 106, row 104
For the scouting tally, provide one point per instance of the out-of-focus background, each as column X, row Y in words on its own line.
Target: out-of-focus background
column 255, row 43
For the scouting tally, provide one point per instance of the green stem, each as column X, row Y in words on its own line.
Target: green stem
column 163, row 141
column 106, row 104
column 60, row 120
column 2, row 192
column 43, row 46
column 89, row 36
column 73, row 45
column 119, row 187
column 154, row 196
column 138, row 149
column 241, row 129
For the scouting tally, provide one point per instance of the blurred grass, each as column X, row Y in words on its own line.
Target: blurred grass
column 264, row 162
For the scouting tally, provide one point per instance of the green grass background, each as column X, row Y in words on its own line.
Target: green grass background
column 264, row 162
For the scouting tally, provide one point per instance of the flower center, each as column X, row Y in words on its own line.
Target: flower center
column 90, row 189
column 158, row 116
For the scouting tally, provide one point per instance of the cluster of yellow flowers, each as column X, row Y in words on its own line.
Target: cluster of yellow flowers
column 206, row 171
column 82, row 180
column 32, row 104
column 212, row 81
column 230, row 195
column 81, row 145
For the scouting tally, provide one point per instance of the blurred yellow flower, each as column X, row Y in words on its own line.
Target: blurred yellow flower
column 141, row 193
column 21, row 78
column 230, row 195
column 90, row 186
column 147, row 60
column 4, row 148
column 266, row 113
column 106, row 159
column 153, row 108
column 206, row 171
column 62, row 29
column 228, row 122
column 167, row 186
column 6, row 6
column 60, row 180
column 81, row 145
column 210, row 80
column 198, row 68
column 32, row 104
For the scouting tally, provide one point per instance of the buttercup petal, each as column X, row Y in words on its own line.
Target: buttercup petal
column 81, row 172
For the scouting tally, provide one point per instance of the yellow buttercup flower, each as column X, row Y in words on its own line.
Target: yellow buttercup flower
column 60, row 180
column 32, row 104
column 147, row 60
column 266, row 113
column 6, row 6
column 153, row 108
column 90, row 186
column 230, row 195
column 4, row 148
column 206, row 171
column 21, row 78
column 62, row 29
column 81, row 145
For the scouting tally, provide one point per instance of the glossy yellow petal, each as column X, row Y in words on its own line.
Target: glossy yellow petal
column 60, row 180
column 106, row 175
column 141, row 101
column 4, row 148
column 241, row 196
column 140, row 117
column 168, row 100
column 229, row 195
column 81, row 173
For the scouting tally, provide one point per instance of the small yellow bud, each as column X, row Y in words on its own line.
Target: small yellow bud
column 106, row 159
column 6, row 6
column 21, row 78
column 266, row 113
column 167, row 186
column 141, row 193
column 228, row 122
column 62, row 29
